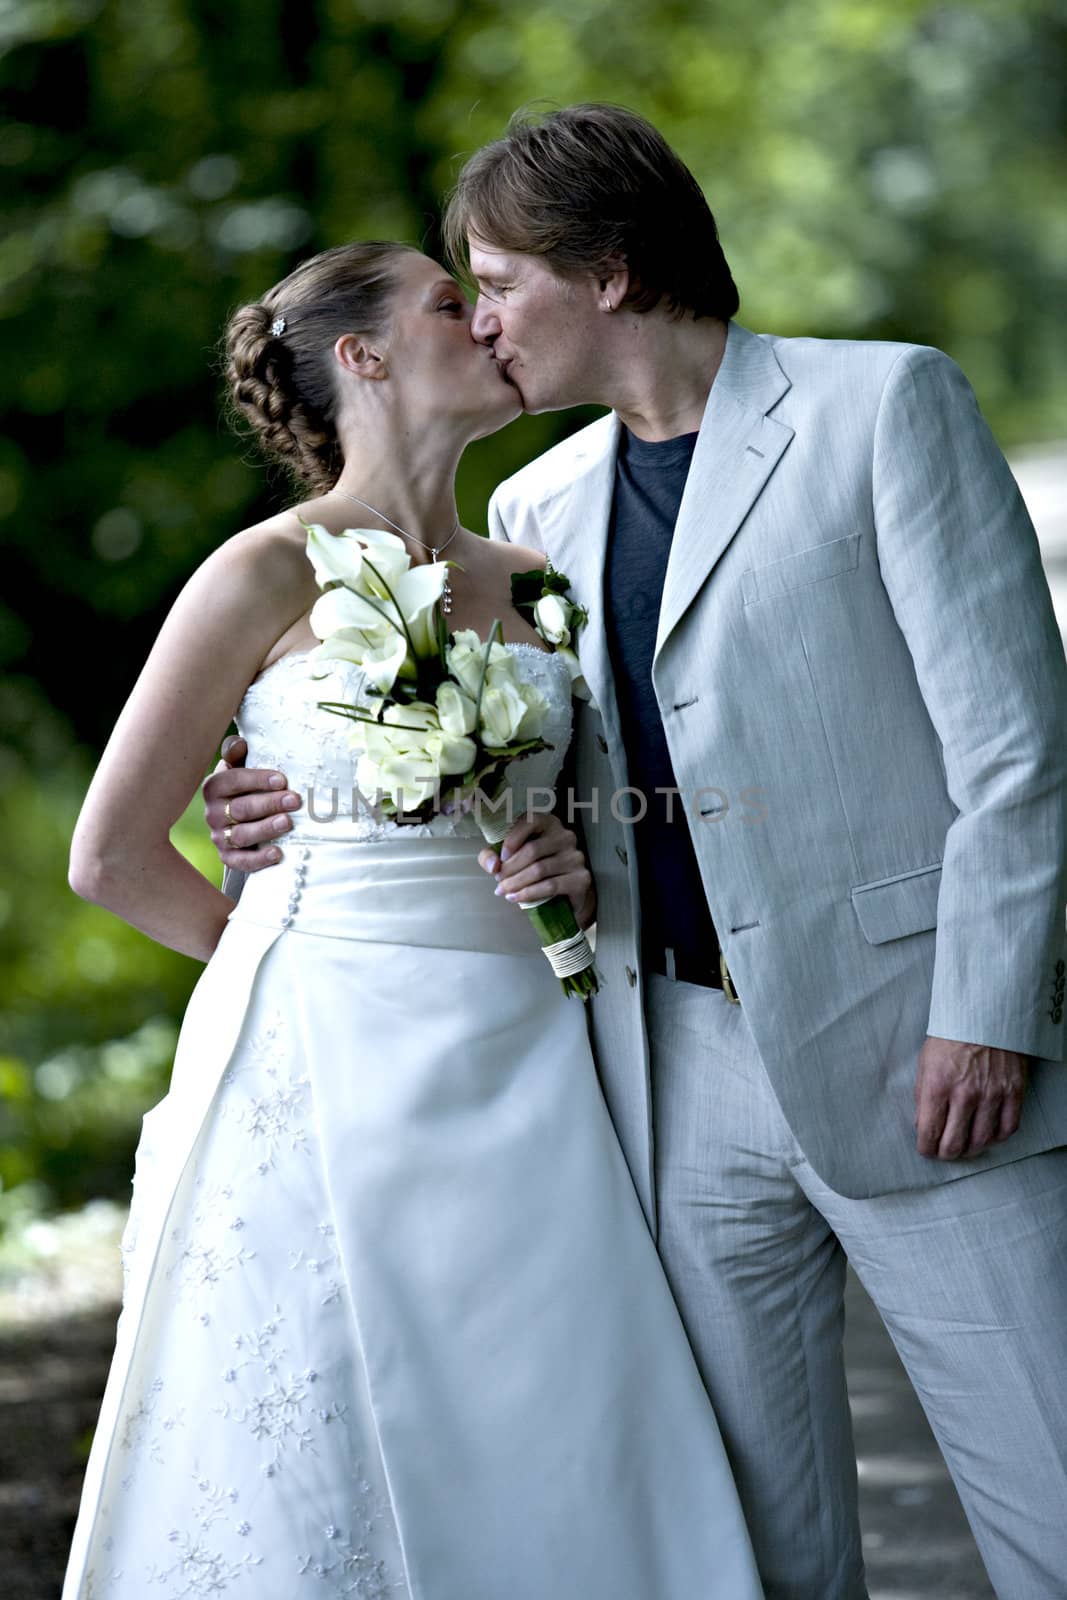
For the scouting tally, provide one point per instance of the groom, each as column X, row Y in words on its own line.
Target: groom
column 823, row 789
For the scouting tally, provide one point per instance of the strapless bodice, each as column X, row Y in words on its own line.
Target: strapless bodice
column 285, row 728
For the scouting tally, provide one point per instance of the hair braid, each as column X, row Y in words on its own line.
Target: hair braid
column 283, row 386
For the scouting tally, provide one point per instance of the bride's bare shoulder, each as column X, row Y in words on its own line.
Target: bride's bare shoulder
column 275, row 550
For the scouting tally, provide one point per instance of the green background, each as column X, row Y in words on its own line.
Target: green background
column 878, row 168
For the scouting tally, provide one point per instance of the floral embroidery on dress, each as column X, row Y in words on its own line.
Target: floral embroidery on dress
column 210, row 1249
column 144, row 1425
column 275, row 1119
column 199, row 1568
column 275, row 1413
column 348, row 1557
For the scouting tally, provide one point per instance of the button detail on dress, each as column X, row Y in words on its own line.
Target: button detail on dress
column 631, row 976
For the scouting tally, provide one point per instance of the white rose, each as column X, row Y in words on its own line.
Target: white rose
column 410, row 722
column 503, row 669
column 552, row 615
column 532, row 724
column 504, row 709
column 455, row 709
column 466, row 656
column 451, row 756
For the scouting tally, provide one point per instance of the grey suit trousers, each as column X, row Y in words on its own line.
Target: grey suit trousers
column 969, row 1276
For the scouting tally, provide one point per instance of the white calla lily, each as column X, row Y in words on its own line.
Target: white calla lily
column 339, row 609
column 347, row 557
column 417, row 593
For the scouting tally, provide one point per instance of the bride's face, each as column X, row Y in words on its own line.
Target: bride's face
column 431, row 357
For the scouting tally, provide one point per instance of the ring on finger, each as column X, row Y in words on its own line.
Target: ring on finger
column 227, row 833
column 228, row 814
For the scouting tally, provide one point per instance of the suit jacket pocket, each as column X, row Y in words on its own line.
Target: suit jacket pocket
column 800, row 569
column 891, row 908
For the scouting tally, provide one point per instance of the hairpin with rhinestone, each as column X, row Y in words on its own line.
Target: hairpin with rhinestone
column 277, row 327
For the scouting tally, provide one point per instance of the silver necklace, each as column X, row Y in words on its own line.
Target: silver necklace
column 434, row 549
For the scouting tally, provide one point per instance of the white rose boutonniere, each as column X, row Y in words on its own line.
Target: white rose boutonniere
column 541, row 597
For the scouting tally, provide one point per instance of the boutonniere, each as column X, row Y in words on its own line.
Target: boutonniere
column 542, row 598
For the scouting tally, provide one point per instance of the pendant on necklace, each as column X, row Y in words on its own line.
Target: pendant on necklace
column 446, row 592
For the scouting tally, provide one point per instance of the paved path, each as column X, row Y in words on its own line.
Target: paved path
column 916, row 1540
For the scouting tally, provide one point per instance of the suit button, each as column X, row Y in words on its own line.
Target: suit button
column 603, row 743
column 1057, row 1015
column 1060, row 969
column 631, row 978
column 621, row 853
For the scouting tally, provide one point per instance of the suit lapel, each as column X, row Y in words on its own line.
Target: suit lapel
column 575, row 529
column 738, row 448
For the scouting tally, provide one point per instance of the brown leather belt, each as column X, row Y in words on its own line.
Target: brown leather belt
column 685, row 968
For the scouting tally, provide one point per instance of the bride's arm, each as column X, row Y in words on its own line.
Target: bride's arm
column 209, row 649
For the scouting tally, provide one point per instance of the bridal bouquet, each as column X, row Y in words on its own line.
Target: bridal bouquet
column 441, row 715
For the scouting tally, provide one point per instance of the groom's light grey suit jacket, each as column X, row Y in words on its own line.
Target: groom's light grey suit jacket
column 856, row 625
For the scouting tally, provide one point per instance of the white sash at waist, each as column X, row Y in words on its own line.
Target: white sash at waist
column 420, row 892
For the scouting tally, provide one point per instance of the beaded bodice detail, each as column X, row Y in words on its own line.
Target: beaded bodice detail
column 286, row 728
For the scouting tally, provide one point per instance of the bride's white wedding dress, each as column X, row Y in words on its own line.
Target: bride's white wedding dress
column 394, row 1326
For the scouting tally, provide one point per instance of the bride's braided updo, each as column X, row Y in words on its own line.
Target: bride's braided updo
column 282, row 383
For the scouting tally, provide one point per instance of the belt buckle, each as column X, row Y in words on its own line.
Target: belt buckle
column 727, row 982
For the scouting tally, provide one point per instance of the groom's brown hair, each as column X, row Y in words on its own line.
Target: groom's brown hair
column 588, row 188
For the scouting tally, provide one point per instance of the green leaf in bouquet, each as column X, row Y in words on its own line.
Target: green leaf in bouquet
column 496, row 759
column 496, row 628
column 342, row 709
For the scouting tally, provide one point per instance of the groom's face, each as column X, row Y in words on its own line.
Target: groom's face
column 543, row 329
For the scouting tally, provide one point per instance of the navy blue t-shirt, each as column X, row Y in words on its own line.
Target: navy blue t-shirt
column 649, row 481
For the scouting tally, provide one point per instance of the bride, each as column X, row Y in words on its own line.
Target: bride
column 393, row 1324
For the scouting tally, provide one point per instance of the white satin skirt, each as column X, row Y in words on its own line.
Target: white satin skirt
column 394, row 1324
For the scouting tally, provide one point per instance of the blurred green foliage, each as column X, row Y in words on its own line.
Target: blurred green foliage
column 879, row 169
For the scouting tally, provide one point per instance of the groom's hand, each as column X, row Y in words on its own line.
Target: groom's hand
column 967, row 1096
column 538, row 858
column 258, row 802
